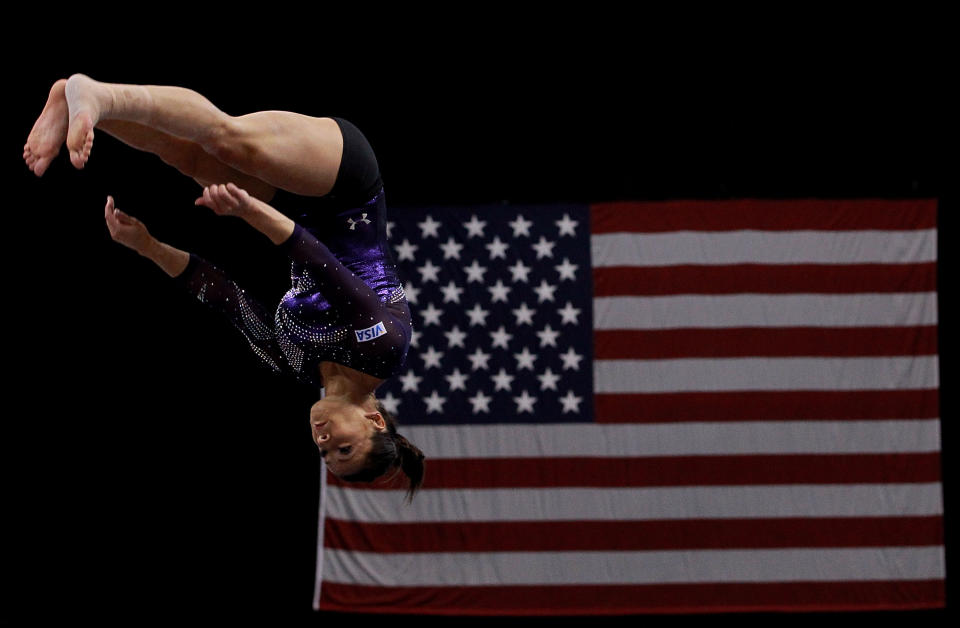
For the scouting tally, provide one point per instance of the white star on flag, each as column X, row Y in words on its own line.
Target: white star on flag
column 525, row 359
column 480, row 402
column 548, row 380
column 567, row 226
column 544, row 291
column 548, row 337
column 521, row 226
column 410, row 381
column 567, row 270
column 431, row 358
column 457, row 380
column 524, row 314
column 475, row 227
column 390, row 403
column 478, row 359
column 569, row 314
column 451, row 292
column 431, row 315
column 429, row 227
column 498, row 292
column 451, row 249
column 478, row 315
column 525, row 402
column 501, row 381
column 571, row 359
column 434, row 402
column 501, row 337
column 405, row 250
column 520, row 271
column 428, row 272
column 415, row 338
column 544, row 248
column 455, row 337
column 475, row 272
column 497, row 248
column 571, row 402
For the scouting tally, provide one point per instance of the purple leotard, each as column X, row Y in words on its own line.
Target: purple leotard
column 345, row 304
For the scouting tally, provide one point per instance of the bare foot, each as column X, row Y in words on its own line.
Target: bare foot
column 49, row 131
column 84, row 100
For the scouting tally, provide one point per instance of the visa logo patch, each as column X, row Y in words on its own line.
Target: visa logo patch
column 370, row 333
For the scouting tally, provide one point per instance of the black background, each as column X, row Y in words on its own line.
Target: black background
column 153, row 470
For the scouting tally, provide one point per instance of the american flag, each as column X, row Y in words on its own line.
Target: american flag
column 633, row 407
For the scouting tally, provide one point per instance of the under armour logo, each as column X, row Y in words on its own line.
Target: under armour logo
column 354, row 223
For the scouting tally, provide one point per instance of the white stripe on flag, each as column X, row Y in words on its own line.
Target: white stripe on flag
column 638, row 504
column 650, row 567
column 657, row 376
column 761, row 310
column 764, row 247
column 676, row 439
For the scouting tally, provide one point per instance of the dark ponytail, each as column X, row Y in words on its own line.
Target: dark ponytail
column 389, row 450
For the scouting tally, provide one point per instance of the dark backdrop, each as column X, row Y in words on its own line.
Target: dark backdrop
column 155, row 470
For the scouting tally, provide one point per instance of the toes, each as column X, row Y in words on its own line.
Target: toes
column 88, row 146
column 78, row 159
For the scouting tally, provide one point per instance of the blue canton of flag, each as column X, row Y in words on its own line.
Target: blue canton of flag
column 502, row 315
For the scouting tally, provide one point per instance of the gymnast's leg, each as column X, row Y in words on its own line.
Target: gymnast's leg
column 50, row 132
column 189, row 158
column 297, row 153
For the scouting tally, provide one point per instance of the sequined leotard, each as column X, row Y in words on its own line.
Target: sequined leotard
column 345, row 304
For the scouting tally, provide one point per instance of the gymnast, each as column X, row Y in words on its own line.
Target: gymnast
column 344, row 325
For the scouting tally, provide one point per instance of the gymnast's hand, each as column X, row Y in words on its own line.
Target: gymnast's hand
column 225, row 200
column 126, row 229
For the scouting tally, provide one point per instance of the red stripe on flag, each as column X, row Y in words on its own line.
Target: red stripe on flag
column 768, row 215
column 765, row 279
column 624, row 599
column 767, row 406
column 615, row 472
column 598, row 536
column 615, row 344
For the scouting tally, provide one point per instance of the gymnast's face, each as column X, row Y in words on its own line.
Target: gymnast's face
column 342, row 431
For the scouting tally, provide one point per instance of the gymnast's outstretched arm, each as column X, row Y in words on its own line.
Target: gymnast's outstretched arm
column 206, row 282
column 133, row 234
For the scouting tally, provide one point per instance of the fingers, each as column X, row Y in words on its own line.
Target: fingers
column 223, row 198
column 238, row 193
column 208, row 197
column 125, row 219
column 117, row 220
column 108, row 215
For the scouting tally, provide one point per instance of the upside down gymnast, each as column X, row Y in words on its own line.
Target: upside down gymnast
column 345, row 323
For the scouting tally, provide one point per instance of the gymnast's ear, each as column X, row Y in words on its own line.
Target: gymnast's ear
column 377, row 419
